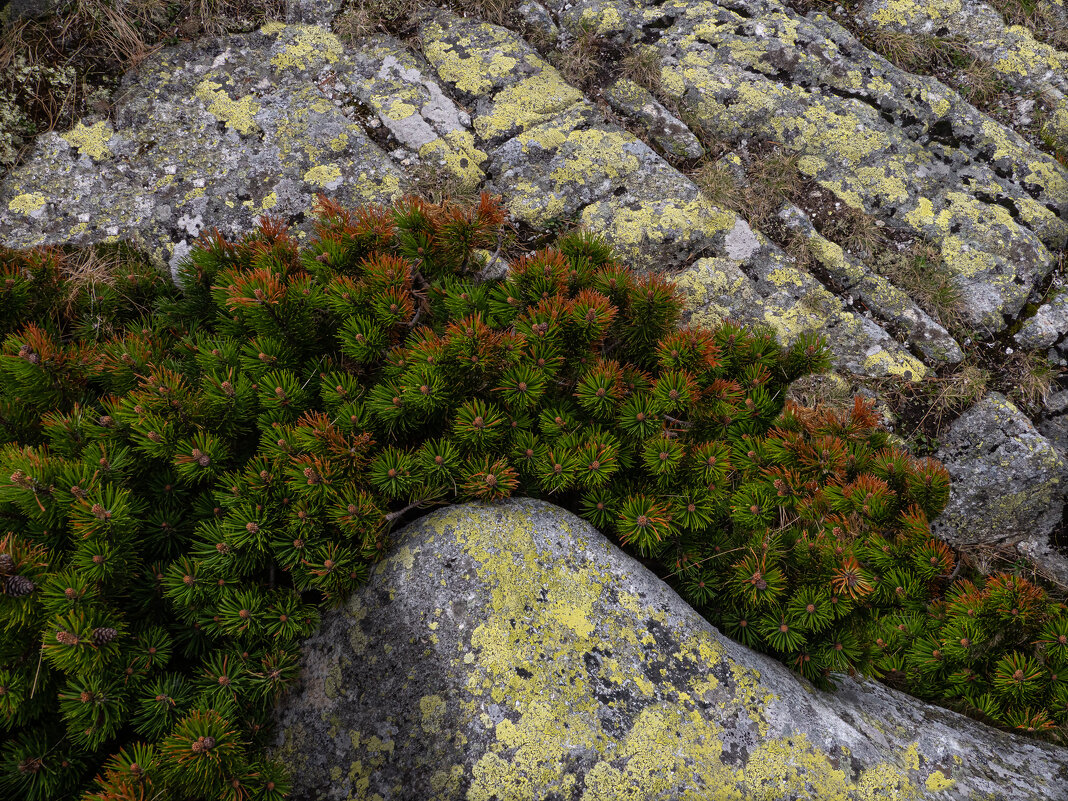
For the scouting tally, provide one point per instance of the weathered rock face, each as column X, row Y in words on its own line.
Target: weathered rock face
column 511, row 652
column 1007, row 483
column 1011, row 51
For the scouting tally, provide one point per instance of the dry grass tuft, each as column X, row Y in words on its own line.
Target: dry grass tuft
column 855, row 230
column 828, row 391
column 582, row 61
column 989, row 558
column 642, row 65
column 979, row 83
column 961, row 388
column 438, row 185
column 1041, row 17
column 924, row 409
column 365, row 18
column 771, row 179
column 82, row 272
column 1030, row 378
column 718, row 185
column 920, row 271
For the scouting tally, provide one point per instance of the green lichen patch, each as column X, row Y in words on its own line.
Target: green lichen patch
column 713, row 69
column 417, row 113
column 794, row 304
column 237, row 114
column 528, row 103
column 305, row 47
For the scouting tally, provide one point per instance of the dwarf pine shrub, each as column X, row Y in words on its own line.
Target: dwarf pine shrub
column 188, row 475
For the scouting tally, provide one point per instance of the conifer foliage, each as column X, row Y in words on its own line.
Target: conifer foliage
column 186, row 476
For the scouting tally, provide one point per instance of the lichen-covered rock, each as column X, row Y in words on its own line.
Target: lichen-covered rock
column 311, row 12
column 538, row 19
column 398, row 86
column 667, row 130
column 511, row 652
column 1007, row 479
column 905, row 148
column 552, row 156
column 891, row 304
column 1048, row 325
column 791, row 302
column 15, row 10
column 1016, row 58
column 204, row 136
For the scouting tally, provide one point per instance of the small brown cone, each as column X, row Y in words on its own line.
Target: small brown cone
column 104, row 635
column 18, row 586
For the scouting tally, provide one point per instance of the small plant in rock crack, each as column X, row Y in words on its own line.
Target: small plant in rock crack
column 183, row 487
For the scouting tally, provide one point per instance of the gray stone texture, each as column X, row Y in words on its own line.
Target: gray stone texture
column 1008, row 480
column 511, row 652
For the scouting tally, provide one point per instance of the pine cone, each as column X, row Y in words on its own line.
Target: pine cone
column 17, row 586
column 104, row 635
column 66, row 638
column 7, row 564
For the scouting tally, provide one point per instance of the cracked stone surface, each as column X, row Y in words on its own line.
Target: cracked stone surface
column 203, row 136
column 552, row 156
column 890, row 303
column 666, row 129
column 936, row 167
column 512, row 652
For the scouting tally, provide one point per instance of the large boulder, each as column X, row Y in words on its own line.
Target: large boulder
column 512, row 652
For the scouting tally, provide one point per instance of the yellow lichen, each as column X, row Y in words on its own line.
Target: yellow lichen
column 91, row 140
column 27, row 203
column 432, row 708
column 399, row 111
column 528, row 103
column 325, row 175
column 460, row 157
column 906, row 365
column 237, row 114
column 310, row 44
column 909, row 12
column 937, row 782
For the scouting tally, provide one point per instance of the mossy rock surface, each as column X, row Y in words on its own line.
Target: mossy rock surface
column 512, row 652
